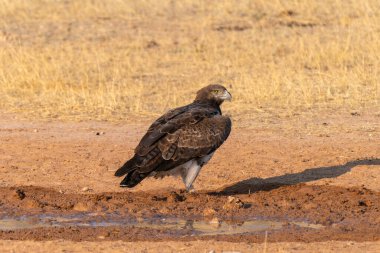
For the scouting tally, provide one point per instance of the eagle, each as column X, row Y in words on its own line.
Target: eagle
column 182, row 141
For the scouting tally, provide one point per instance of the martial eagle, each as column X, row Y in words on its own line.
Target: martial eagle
column 181, row 141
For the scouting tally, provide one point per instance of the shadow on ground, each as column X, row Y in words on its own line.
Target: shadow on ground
column 258, row 184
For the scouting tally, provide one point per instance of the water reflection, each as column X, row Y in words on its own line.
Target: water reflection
column 195, row 226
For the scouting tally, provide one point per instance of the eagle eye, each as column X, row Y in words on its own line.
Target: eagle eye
column 215, row 91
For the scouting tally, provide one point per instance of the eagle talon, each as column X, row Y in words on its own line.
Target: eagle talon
column 190, row 189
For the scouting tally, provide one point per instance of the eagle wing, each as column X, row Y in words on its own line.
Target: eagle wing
column 195, row 140
column 178, row 136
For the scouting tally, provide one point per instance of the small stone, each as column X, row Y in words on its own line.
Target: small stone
column 239, row 203
column 209, row 212
column 20, row 194
column 355, row 113
column 80, row 207
column 232, row 203
column 85, row 189
column 230, row 199
column 102, row 237
column 35, row 131
column 215, row 220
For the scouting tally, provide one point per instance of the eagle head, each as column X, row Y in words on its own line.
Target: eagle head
column 215, row 93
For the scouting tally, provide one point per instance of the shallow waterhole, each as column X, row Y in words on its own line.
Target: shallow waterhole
column 195, row 226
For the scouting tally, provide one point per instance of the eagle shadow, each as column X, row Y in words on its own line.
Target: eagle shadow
column 258, row 184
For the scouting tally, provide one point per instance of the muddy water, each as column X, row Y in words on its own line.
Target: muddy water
column 194, row 226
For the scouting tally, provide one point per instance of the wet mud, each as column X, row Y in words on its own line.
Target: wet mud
column 299, row 212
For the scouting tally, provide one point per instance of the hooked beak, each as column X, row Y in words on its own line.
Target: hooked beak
column 226, row 96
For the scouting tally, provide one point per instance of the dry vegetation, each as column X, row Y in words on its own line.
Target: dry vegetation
column 108, row 59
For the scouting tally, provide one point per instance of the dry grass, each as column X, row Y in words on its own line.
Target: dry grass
column 108, row 59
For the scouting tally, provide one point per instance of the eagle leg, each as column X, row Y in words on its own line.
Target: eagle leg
column 190, row 173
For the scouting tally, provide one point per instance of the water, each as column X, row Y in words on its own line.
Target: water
column 196, row 226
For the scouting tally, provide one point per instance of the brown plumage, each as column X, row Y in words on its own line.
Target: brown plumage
column 181, row 141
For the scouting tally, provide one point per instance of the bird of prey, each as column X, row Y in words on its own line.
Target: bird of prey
column 181, row 141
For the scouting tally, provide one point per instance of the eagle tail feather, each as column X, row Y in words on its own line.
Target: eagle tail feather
column 130, row 165
column 133, row 178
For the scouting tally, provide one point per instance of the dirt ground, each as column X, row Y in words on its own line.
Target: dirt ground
column 322, row 168
column 194, row 246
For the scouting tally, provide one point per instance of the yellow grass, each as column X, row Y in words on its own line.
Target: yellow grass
column 107, row 59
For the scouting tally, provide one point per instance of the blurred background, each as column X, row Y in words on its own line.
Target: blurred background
column 110, row 60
